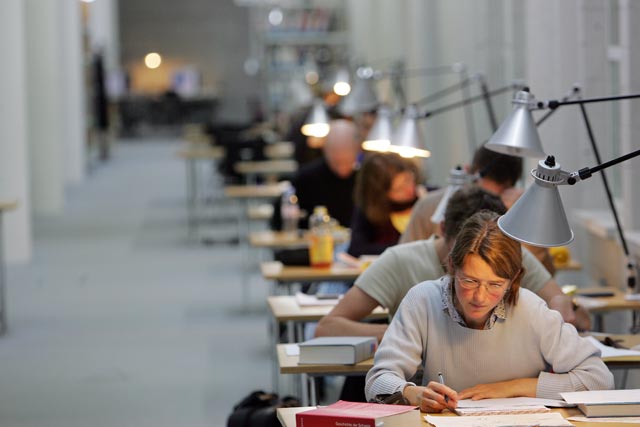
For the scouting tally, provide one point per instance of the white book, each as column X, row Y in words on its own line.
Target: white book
column 606, row 403
column 337, row 350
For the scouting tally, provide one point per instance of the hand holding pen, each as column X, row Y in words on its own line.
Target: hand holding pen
column 435, row 397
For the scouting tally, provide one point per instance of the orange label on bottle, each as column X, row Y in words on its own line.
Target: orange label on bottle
column 321, row 250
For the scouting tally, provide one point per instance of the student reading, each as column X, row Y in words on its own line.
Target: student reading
column 489, row 337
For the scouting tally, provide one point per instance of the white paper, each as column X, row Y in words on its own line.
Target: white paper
column 612, row 351
column 550, row 419
column 602, row 396
column 511, row 402
column 629, row 420
column 305, row 300
column 292, row 350
column 589, row 303
column 632, row 297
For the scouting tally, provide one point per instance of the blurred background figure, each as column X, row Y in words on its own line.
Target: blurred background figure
column 329, row 180
column 386, row 190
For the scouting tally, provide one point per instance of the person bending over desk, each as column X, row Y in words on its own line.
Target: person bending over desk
column 387, row 280
column 488, row 337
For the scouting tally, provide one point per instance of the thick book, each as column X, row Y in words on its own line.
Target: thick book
column 606, row 403
column 337, row 350
column 358, row 414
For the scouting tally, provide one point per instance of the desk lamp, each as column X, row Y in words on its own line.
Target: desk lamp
column 341, row 85
column 548, row 176
column 317, row 122
column 379, row 136
column 407, row 139
column 362, row 97
column 458, row 177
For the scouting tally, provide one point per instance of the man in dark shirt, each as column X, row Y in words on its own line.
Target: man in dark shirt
column 328, row 181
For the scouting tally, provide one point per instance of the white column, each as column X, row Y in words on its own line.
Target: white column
column 74, row 101
column 44, row 105
column 14, row 181
column 630, row 110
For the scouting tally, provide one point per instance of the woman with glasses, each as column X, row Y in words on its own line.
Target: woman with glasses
column 488, row 337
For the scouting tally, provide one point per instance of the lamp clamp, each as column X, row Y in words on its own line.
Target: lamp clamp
column 549, row 174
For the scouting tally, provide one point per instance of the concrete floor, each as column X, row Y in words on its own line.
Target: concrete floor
column 120, row 319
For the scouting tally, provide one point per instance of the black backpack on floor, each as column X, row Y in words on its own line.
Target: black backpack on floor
column 258, row 409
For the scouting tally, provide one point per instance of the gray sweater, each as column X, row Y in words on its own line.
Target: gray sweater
column 532, row 341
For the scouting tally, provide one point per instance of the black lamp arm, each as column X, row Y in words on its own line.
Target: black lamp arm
column 585, row 173
column 553, row 104
column 575, row 91
column 444, row 92
column 467, row 101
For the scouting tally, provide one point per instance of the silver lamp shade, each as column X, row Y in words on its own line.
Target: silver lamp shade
column 407, row 140
column 379, row 137
column 341, row 82
column 538, row 217
column 457, row 179
column 518, row 135
column 361, row 99
column 317, row 122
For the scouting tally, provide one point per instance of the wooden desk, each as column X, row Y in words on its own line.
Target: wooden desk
column 572, row 265
column 285, row 309
column 283, row 240
column 262, row 212
column 276, row 271
column 266, row 167
column 267, row 191
column 598, row 306
column 289, row 364
column 279, row 150
column 270, row 169
column 4, row 206
column 192, row 154
column 287, row 417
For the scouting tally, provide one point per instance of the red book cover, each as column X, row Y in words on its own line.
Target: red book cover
column 358, row 414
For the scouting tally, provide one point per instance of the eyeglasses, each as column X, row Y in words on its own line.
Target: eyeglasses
column 493, row 288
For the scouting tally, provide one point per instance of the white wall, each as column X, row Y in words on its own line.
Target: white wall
column 551, row 45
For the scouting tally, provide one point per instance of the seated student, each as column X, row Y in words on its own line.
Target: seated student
column 488, row 337
column 386, row 189
column 387, row 280
column 497, row 173
column 328, row 181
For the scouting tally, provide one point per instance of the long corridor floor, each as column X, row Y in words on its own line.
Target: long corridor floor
column 120, row 319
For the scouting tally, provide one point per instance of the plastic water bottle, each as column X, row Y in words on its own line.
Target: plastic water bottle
column 290, row 211
column 321, row 245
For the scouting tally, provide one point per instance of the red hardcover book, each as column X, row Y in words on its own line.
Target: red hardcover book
column 357, row 414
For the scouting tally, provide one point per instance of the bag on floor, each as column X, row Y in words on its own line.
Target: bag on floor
column 258, row 409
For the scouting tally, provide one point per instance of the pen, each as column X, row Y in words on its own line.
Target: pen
column 441, row 377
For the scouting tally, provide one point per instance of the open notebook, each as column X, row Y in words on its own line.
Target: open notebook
column 517, row 405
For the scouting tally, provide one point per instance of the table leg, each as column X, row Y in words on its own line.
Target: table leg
column 313, row 400
column 304, row 389
column 275, row 333
column 191, row 195
column 291, row 332
column 635, row 322
column 3, row 304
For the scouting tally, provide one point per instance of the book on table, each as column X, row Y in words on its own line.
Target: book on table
column 337, row 350
column 358, row 414
column 606, row 403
